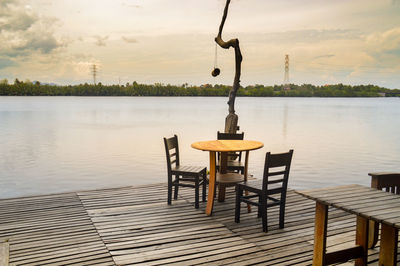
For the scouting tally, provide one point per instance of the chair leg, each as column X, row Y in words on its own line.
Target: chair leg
column 282, row 215
column 169, row 190
column 264, row 213
column 176, row 187
column 196, row 193
column 204, row 185
column 259, row 207
column 239, row 194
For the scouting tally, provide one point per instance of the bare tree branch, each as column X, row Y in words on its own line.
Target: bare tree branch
column 232, row 119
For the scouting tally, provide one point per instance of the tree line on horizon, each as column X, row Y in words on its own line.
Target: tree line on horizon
column 27, row 88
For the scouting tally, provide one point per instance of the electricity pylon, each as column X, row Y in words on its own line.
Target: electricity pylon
column 286, row 78
column 94, row 72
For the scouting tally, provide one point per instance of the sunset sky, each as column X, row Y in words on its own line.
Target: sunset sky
column 172, row 41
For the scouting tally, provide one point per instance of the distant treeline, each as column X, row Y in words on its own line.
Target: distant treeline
column 20, row 88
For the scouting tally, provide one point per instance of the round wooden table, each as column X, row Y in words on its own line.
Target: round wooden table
column 224, row 146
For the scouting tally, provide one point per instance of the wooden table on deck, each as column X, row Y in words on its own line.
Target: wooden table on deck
column 368, row 204
column 224, row 146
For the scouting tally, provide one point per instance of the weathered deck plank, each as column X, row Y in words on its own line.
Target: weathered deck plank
column 134, row 225
column 52, row 229
column 4, row 253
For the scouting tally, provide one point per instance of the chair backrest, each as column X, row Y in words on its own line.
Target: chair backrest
column 234, row 136
column 239, row 136
column 276, row 170
column 390, row 182
column 172, row 151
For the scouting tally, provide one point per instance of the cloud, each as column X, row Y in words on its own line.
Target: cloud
column 134, row 6
column 27, row 42
column 4, row 3
column 306, row 36
column 129, row 39
column 23, row 32
column 19, row 20
column 131, row 5
column 387, row 41
column 5, row 62
column 44, row 43
column 100, row 41
column 324, row 56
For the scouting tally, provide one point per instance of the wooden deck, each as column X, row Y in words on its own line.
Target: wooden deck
column 134, row 225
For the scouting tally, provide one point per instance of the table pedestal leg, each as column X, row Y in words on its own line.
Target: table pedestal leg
column 223, row 168
column 388, row 252
column 221, row 192
column 321, row 224
column 211, row 184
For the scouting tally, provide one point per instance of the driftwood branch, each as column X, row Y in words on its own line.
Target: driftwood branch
column 232, row 118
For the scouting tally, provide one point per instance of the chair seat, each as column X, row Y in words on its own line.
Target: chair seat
column 187, row 170
column 229, row 178
column 256, row 186
column 234, row 164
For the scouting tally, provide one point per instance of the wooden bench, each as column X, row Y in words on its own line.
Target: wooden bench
column 367, row 204
column 389, row 182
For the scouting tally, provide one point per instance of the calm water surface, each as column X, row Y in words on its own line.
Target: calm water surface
column 60, row 144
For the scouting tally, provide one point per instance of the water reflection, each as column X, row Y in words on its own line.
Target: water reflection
column 285, row 121
column 56, row 144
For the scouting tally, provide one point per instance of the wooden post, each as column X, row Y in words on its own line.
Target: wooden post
column 320, row 232
column 211, row 184
column 373, row 233
column 389, row 238
column 362, row 240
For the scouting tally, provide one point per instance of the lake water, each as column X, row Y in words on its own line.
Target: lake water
column 60, row 144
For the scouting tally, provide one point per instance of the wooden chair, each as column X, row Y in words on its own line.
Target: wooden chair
column 234, row 163
column 390, row 182
column 274, row 183
column 234, row 158
column 185, row 176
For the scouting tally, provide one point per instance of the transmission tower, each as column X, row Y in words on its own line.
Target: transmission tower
column 286, row 79
column 94, row 72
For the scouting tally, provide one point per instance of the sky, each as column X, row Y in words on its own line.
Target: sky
column 172, row 41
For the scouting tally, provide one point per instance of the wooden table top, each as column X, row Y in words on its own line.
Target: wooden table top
column 377, row 205
column 227, row 145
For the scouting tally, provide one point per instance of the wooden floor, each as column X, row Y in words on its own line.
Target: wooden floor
column 134, row 225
